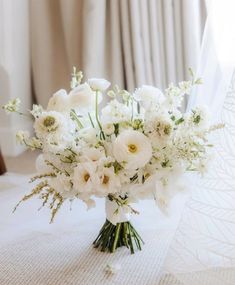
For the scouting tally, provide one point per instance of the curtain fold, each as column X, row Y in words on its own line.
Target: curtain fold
column 129, row 42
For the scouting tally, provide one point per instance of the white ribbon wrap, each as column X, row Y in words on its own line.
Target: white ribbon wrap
column 115, row 213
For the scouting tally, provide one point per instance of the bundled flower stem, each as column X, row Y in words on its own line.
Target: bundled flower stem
column 113, row 236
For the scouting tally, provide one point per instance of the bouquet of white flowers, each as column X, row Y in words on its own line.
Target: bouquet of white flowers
column 137, row 146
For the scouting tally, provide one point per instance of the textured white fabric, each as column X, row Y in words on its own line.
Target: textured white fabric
column 203, row 249
column 111, row 208
column 37, row 253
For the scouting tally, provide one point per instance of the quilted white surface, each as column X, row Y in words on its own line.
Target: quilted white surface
column 34, row 252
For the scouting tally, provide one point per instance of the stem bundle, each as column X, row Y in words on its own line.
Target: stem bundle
column 113, row 236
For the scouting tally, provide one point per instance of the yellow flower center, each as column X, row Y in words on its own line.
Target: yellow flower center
column 49, row 121
column 86, row 177
column 132, row 148
column 105, row 179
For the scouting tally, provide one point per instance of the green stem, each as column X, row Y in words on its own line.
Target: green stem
column 76, row 119
column 96, row 114
column 112, row 236
column 117, row 231
column 89, row 115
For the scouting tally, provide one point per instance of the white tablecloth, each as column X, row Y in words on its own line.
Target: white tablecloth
column 32, row 251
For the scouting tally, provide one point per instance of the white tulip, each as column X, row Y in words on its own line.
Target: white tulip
column 98, row 84
column 81, row 97
column 59, row 102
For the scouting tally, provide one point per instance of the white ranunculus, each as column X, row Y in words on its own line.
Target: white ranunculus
column 133, row 149
column 98, row 84
column 148, row 95
column 82, row 97
column 50, row 123
column 85, row 178
column 59, row 102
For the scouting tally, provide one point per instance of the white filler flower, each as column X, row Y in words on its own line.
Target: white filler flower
column 133, row 149
column 148, row 95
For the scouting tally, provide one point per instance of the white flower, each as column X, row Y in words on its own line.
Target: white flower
column 89, row 135
column 148, row 95
column 108, row 129
column 109, row 182
column 12, row 106
column 185, row 87
column 199, row 117
column 98, row 84
column 174, row 97
column 22, row 136
column 85, row 178
column 59, row 102
column 62, row 184
column 51, row 122
column 112, row 268
column 133, row 149
column 158, row 127
column 115, row 112
column 92, row 154
column 36, row 111
column 57, row 143
column 82, row 98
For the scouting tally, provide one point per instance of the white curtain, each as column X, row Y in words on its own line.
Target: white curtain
column 129, row 42
column 203, row 249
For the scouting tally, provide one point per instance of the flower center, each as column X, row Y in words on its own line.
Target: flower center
column 105, row 179
column 49, row 121
column 86, row 177
column 132, row 148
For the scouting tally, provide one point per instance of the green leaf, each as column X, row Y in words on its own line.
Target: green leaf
column 191, row 72
column 198, row 81
column 179, row 121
